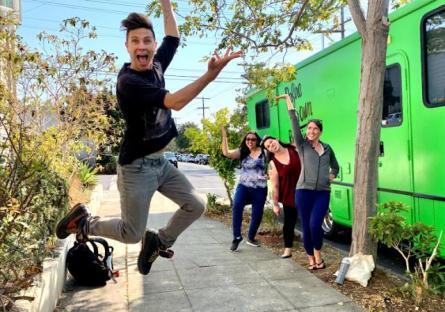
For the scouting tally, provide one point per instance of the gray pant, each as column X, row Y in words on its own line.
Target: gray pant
column 137, row 183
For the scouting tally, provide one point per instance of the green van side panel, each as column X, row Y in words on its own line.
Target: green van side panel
column 341, row 203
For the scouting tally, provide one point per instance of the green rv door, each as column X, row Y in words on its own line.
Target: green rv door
column 395, row 162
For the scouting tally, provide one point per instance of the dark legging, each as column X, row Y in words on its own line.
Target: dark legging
column 312, row 206
column 290, row 219
column 243, row 196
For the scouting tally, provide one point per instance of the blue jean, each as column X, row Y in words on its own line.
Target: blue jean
column 243, row 196
column 312, row 206
column 137, row 183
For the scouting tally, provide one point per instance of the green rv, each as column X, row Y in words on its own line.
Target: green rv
column 412, row 160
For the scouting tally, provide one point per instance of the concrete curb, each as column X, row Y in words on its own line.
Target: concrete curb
column 49, row 284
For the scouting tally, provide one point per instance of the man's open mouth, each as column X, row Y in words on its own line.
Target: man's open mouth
column 142, row 58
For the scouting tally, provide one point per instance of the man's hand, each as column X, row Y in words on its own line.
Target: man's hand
column 170, row 26
column 217, row 63
column 179, row 99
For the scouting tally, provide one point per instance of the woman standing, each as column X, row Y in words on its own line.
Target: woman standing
column 252, row 186
column 284, row 170
column 319, row 168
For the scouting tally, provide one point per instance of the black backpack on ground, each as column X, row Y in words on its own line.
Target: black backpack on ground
column 88, row 266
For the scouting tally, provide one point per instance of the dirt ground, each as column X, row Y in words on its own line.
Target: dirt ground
column 383, row 293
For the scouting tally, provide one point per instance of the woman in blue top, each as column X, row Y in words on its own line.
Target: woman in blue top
column 252, row 186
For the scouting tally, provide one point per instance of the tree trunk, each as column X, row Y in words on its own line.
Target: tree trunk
column 229, row 194
column 374, row 31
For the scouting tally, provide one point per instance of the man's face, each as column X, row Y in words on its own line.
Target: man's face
column 141, row 46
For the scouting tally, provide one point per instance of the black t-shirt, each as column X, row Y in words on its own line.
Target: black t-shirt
column 140, row 96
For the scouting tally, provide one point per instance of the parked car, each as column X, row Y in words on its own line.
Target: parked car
column 189, row 158
column 202, row 159
column 170, row 156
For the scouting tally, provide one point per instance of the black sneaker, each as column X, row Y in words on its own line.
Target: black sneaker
column 253, row 242
column 235, row 243
column 73, row 222
column 150, row 250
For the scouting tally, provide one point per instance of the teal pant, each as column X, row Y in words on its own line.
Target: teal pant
column 137, row 183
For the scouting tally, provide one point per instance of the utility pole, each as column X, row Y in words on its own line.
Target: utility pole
column 341, row 31
column 203, row 107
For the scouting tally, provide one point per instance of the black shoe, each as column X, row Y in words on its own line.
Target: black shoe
column 150, row 250
column 73, row 222
column 235, row 243
column 253, row 242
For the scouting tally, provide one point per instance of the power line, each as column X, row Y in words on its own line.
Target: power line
column 80, row 7
column 108, row 35
column 97, row 9
column 173, row 77
column 59, row 21
column 187, row 77
column 223, row 91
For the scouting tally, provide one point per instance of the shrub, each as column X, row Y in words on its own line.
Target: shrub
column 214, row 207
column 35, row 159
column 107, row 164
column 389, row 228
column 87, row 175
column 270, row 220
column 28, row 214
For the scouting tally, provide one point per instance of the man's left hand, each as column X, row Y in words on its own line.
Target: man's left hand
column 217, row 62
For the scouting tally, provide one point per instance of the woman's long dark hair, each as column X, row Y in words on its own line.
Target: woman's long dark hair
column 244, row 150
column 270, row 155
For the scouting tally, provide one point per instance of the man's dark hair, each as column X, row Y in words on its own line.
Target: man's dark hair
column 135, row 21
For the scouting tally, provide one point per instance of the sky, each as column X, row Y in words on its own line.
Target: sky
column 187, row 65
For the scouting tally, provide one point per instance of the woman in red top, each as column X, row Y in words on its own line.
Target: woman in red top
column 284, row 170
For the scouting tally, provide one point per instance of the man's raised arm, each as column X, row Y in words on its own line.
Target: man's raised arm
column 170, row 27
column 182, row 97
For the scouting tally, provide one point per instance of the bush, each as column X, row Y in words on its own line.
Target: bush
column 87, row 175
column 270, row 220
column 28, row 214
column 214, row 207
column 390, row 228
column 107, row 164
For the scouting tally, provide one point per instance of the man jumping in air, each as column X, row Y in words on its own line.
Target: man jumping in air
column 146, row 106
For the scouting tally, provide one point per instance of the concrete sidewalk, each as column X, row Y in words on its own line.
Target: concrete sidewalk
column 203, row 275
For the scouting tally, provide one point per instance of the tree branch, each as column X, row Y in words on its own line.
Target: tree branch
column 357, row 16
column 296, row 20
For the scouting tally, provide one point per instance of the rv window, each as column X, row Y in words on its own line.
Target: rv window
column 392, row 97
column 434, row 59
column 262, row 114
